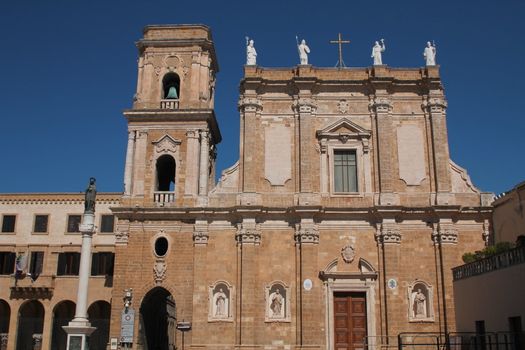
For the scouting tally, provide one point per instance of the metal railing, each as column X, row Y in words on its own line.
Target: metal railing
column 461, row 341
column 169, row 104
column 511, row 257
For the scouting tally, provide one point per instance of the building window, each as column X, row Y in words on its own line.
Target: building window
column 8, row 223
column 7, row 263
column 102, row 264
column 73, row 223
column 41, row 222
column 171, row 86
column 68, row 264
column 345, row 171
column 36, row 264
column 107, row 223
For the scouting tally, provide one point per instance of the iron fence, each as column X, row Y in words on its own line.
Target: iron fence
column 461, row 341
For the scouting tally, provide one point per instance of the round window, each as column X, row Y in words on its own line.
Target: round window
column 161, row 246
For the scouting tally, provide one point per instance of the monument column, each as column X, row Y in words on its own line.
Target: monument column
column 80, row 328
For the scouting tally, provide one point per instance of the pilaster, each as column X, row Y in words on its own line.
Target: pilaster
column 192, row 163
column 248, row 239
column 305, row 108
column 250, row 153
column 139, row 162
column 435, row 106
column 309, row 322
column 381, row 109
column 204, row 162
column 128, row 170
column 200, row 282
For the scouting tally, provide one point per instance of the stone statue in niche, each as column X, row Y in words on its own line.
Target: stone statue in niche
column 251, row 54
column 276, row 304
column 430, row 54
column 220, row 304
column 420, row 304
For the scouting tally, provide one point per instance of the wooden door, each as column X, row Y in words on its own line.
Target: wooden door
column 350, row 320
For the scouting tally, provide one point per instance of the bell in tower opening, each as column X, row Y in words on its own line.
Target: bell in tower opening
column 171, row 84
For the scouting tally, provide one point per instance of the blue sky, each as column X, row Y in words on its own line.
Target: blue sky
column 69, row 69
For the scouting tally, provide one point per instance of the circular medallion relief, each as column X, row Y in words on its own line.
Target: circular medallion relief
column 348, row 253
column 161, row 246
column 308, row 284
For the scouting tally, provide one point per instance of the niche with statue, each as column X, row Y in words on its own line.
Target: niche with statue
column 420, row 302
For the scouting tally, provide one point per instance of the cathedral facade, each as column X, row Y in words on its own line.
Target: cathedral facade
column 336, row 229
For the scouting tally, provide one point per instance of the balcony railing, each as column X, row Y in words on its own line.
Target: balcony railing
column 511, row 257
column 169, row 104
column 163, row 197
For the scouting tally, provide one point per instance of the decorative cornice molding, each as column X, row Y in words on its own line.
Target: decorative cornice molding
column 248, row 234
column 250, row 104
column 305, row 105
column 306, row 234
column 381, row 104
column 388, row 234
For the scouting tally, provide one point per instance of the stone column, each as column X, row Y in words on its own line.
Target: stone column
column 80, row 325
column 250, row 152
column 435, row 106
column 381, row 107
column 204, row 163
column 309, row 321
column 192, row 163
column 388, row 238
column 248, row 239
column 128, row 170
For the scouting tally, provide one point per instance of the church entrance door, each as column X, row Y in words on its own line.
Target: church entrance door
column 157, row 321
column 350, row 320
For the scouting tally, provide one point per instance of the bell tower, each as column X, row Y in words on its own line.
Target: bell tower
column 172, row 129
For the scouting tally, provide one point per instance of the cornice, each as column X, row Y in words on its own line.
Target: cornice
column 58, row 198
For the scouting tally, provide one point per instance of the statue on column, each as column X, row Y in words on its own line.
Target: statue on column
column 251, row 54
column 90, row 197
column 304, row 50
column 430, row 54
column 376, row 52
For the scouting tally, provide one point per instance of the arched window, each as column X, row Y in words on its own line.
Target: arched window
column 166, row 173
column 171, row 87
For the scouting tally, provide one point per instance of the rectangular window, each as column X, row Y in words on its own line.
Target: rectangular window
column 73, row 222
column 68, row 264
column 36, row 264
column 345, row 171
column 102, row 264
column 41, row 223
column 107, row 223
column 8, row 223
column 7, row 263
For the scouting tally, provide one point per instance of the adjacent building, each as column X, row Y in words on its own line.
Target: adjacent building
column 338, row 226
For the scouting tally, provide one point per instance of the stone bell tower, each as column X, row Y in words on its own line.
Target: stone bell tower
column 173, row 133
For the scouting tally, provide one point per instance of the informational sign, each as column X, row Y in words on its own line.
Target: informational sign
column 308, row 284
column 75, row 342
column 114, row 343
column 127, row 323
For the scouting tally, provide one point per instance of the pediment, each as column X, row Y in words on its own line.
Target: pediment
column 343, row 127
column 166, row 144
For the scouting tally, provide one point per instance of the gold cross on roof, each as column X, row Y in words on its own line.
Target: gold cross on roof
column 340, row 41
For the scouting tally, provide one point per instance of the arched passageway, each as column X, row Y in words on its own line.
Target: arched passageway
column 30, row 325
column 157, row 321
column 99, row 314
column 62, row 314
